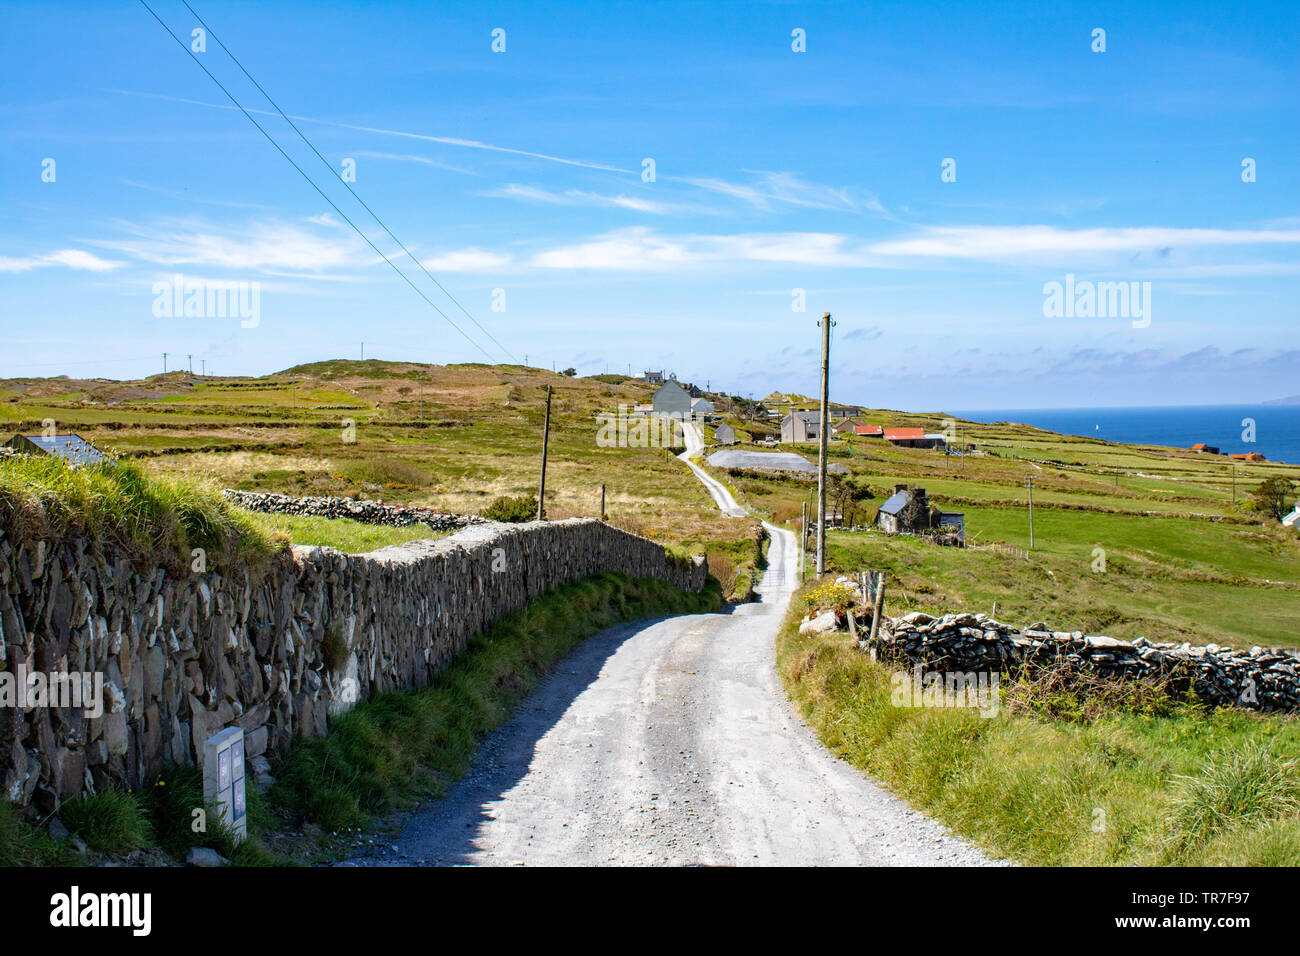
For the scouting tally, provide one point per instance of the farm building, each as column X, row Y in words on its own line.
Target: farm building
column 800, row 426
column 908, row 510
column 724, row 434
column 701, row 407
column 1203, row 448
column 870, row 431
column 846, row 426
column 672, row 399
column 913, row 438
column 1250, row 456
column 73, row 449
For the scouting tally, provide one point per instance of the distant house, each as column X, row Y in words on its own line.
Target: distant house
column 843, row 411
column 701, row 407
column 846, row 426
column 896, row 515
column 800, row 426
column 1204, row 448
column 73, row 449
column 672, row 399
column 871, row 431
column 724, row 434
column 1251, row 456
column 653, row 378
column 913, row 438
column 908, row 511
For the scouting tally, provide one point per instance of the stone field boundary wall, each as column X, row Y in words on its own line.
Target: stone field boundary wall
column 273, row 651
column 370, row 512
column 1260, row 678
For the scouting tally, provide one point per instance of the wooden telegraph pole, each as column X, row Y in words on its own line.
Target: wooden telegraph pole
column 821, row 444
column 546, row 439
column 602, row 502
column 803, row 540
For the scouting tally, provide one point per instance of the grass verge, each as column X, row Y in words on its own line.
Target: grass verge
column 153, row 518
column 1130, row 787
column 400, row 746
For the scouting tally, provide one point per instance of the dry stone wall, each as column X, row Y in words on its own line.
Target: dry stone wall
column 1259, row 678
column 274, row 650
column 370, row 512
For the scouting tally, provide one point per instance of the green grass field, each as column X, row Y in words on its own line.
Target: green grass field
column 1184, row 787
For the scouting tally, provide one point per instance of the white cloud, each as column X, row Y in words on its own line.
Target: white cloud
column 640, row 249
column 769, row 188
column 256, row 246
column 579, row 197
column 68, row 258
column 1001, row 242
column 466, row 260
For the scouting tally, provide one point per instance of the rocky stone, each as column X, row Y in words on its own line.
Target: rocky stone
column 820, row 624
column 204, row 856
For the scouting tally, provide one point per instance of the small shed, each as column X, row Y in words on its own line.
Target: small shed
column 724, row 434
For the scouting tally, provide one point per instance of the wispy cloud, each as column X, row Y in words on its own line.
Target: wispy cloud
column 467, row 260
column 579, row 197
column 767, row 190
column 254, row 246
column 68, row 258
column 640, row 249
column 1010, row 242
column 425, row 137
column 414, row 158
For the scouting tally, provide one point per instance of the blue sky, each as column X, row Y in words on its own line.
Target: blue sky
column 775, row 170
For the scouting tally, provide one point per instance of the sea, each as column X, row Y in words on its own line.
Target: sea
column 1276, row 433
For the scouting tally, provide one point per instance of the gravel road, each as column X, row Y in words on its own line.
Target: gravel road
column 670, row 741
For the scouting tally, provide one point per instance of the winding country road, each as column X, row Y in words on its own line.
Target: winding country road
column 671, row 741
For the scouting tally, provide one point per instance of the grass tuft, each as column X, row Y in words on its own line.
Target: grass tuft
column 110, row 821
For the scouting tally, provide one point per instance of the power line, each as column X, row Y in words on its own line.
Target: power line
column 326, row 162
column 312, row 182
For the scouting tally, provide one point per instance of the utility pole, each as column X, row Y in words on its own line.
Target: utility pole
column 203, row 368
column 1234, row 484
column 363, row 351
column 190, row 361
column 602, row 502
column 1029, row 482
column 546, row 439
column 803, row 540
column 164, row 364
column 821, row 444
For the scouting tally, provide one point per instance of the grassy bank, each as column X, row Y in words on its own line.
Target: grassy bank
column 1185, row 787
column 154, row 518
